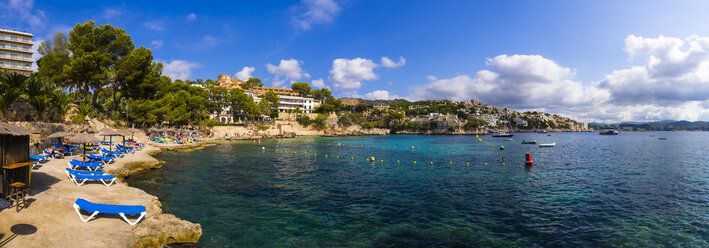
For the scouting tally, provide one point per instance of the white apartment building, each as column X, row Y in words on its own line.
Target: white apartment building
column 306, row 104
column 286, row 102
column 16, row 51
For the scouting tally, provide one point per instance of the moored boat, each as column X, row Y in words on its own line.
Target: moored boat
column 547, row 145
column 609, row 132
column 530, row 142
column 501, row 134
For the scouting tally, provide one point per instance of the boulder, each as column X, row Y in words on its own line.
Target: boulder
column 165, row 229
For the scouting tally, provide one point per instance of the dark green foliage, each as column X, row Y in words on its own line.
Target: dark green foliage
column 320, row 122
column 474, row 123
column 302, row 88
column 39, row 93
column 12, row 85
column 252, row 82
column 303, row 120
column 321, row 94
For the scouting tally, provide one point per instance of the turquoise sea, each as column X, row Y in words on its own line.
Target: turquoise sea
column 629, row 190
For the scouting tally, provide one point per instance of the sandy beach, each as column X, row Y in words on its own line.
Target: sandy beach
column 52, row 195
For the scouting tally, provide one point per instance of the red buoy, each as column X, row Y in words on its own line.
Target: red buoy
column 528, row 158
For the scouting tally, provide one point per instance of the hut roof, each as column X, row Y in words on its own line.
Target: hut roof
column 7, row 128
column 111, row 132
column 83, row 139
column 58, row 135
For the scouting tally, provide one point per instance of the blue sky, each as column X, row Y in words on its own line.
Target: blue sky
column 591, row 60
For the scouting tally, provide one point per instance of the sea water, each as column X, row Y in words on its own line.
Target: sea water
column 632, row 189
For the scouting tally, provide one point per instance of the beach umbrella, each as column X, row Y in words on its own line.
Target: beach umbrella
column 84, row 139
column 124, row 133
column 110, row 133
column 58, row 136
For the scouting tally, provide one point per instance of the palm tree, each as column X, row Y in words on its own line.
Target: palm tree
column 81, row 112
column 11, row 87
column 39, row 93
column 60, row 102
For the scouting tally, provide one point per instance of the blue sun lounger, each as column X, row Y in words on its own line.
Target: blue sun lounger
column 39, row 158
column 96, row 208
column 70, row 171
column 124, row 149
column 105, row 152
column 105, row 159
column 92, row 166
column 82, row 176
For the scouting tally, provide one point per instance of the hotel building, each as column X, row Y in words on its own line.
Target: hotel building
column 16, row 51
column 288, row 99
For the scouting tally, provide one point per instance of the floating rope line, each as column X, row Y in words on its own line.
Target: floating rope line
column 481, row 140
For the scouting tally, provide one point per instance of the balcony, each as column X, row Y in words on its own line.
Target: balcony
column 16, row 58
column 16, row 40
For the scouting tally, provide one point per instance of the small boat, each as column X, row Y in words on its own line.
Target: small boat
column 530, row 142
column 663, row 138
column 547, row 145
column 502, row 134
column 609, row 132
column 509, row 139
column 541, row 131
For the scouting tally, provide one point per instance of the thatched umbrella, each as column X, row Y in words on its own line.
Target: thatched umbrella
column 58, row 136
column 110, row 133
column 84, row 139
column 125, row 133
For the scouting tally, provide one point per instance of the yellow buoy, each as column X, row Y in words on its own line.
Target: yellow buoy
column 397, row 161
column 485, row 164
column 450, row 163
column 468, row 164
column 503, row 164
column 381, row 160
column 658, row 154
column 634, row 157
column 372, row 158
column 431, row 163
column 352, row 158
column 337, row 156
column 412, row 147
column 606, row 159
column 414, row 162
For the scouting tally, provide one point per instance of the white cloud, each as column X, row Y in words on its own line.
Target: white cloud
column 157, row 44
column 380, row 95
column 676, row 71
column 110, row 13
column 348, row 74
column 207, row 41
column 245, row 73
column 35, row 54
column 319, row 83
column 672, row 84
column 24, row 11
column 286, row 70
column 155, row 25
column 191, row 17
column 517, row 81
column 312, row 12
column 388, row 63
column 179, row 69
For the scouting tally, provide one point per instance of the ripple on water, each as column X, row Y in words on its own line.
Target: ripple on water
column 572, row 196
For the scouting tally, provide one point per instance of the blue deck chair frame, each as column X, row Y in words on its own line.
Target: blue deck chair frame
column 95, row 208
column 80, row 177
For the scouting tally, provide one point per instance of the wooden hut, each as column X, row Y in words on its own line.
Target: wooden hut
column 14, row 156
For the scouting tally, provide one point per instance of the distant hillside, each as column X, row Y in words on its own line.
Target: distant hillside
column 666, row 125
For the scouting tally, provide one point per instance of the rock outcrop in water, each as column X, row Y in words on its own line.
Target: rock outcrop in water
column 164, row 229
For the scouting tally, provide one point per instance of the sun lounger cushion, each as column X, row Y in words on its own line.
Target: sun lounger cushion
column 80, row 178
column 96, row 208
